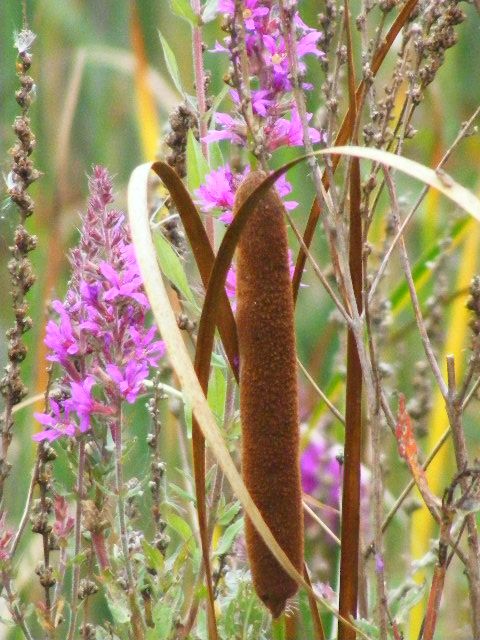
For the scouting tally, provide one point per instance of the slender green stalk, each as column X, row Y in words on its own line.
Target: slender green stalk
column 78, row 539
column 137, row 620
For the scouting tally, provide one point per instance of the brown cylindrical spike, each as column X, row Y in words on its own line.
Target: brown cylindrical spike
column 268, row 392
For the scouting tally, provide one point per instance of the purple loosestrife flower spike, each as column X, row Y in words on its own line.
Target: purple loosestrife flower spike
column 273, row 106
column 270, row 76
column 99, row 336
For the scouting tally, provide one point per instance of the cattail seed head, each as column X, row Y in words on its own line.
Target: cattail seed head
column 268, row 392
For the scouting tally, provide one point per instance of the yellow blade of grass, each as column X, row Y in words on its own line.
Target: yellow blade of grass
column 440, row 470
column 183, row 367
column 147, row 117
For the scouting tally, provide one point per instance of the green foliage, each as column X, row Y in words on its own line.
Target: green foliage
column 171, row 63
column 101, row 104
column 172, row 267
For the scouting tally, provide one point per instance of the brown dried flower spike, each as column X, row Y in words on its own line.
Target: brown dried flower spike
column 268, row 392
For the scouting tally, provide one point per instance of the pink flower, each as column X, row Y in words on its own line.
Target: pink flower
column 231, row 282
column 129, row 379
column 233, row 130
column 322, row 477
column 58, row 423
column 284, row 188
column 218, row 192
column 102, row 320
column 252, row 11
column 220, row 187
column 63, row 522
column 125, row 283
column 289, row 132
column 309, row 44
column 61, row 339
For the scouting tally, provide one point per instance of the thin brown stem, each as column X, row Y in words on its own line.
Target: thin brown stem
column 200, row 88
column 413, row 293
column 454, row 410
column 350, row 530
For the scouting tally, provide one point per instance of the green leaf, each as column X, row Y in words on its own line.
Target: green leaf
column 78, row 559
column 404, row 599
column 171, row 266
column 180, row 526
column 216, row 393
column 218, row 361
column 153, row 557
column 227, row 514
column 163, row 619
column 119, row 610
column 171, row 63
column 183, row 9
column 210, row 11
column 218, row 101
column 197, row 167
column 216, row 155
column 182, row 493
column 367, row 627
column 188, row 415
column 228, row 537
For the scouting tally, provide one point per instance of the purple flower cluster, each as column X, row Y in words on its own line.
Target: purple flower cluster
column 272, row 100
column 99, row 337
column 220, row 187
column 270, row 76
column 321, row 469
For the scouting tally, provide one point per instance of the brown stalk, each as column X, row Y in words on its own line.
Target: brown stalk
column 350, row 533
column 438, row 579
column 203, row 254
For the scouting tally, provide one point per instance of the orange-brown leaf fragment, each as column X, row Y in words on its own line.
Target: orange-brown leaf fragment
column 268, row 392
column 407, row 447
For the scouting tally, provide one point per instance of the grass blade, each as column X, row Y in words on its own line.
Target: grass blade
column 147, row 117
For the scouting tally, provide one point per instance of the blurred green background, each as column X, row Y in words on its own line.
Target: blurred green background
column 103, row 97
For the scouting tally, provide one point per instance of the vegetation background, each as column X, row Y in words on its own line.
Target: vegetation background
column 103, row 97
